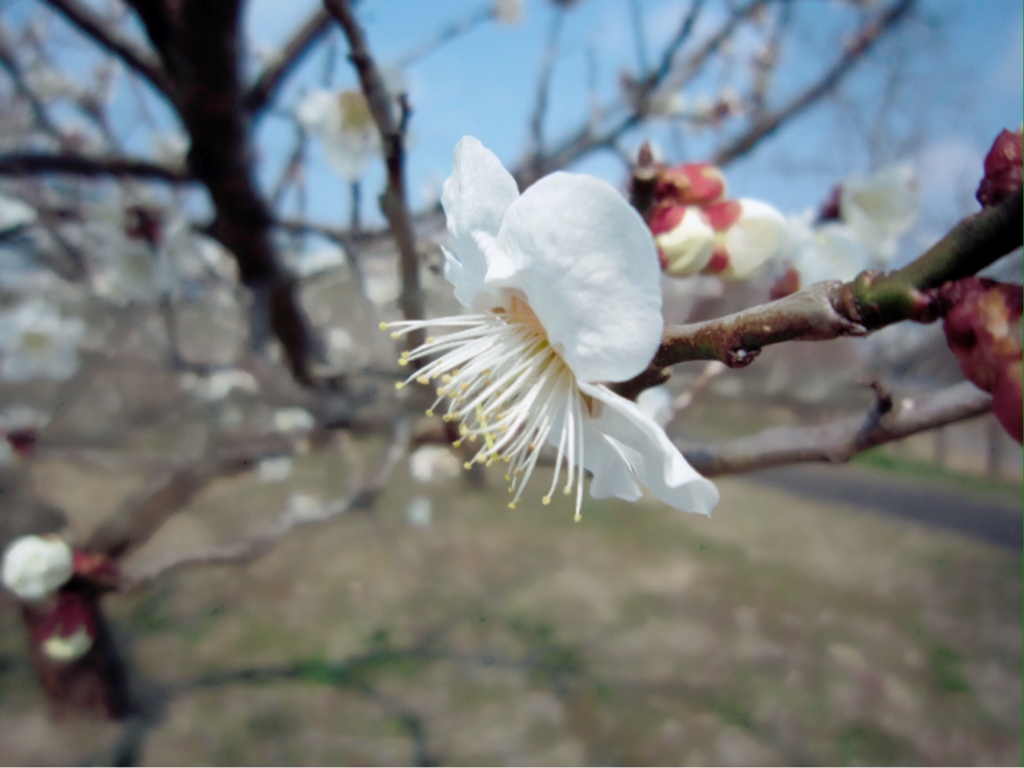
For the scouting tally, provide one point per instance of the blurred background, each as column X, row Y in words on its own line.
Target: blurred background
column 310, row 577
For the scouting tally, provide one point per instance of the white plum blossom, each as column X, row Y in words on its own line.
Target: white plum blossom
column 35, row 567
column 343, row 123
column 881, row 206
column 294, row 419
column 15, row 213
column 874, row 211
column 419, row 512
column 304, row 508
column 829, row 251
column 220, row 384
column 563, row 283
column 509, row 12
column 431, row 463
column 276, row 469
column 37, row 342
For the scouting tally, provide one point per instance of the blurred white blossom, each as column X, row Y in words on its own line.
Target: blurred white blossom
column 275, row 469
column 419, row 512
column 431, row 463
column 35, row 567
column 37, row 342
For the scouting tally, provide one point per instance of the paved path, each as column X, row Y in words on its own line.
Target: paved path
column 993, row 517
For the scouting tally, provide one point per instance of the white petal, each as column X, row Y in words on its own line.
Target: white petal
column 687, row 247
column 645, row 448
column 758, row 235
column 318, row 111
column 475, row 199
column 882, row 205
column 587, row 264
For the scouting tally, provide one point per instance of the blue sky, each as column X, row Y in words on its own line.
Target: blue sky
column 961, row 83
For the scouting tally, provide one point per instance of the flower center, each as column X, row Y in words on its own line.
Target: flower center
column 509, row 390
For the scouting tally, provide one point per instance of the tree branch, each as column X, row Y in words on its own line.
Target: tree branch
column 871, row 301
column 200, row 49
column 32, row 164
column 842, row 439
column 767, row 124
column 393, row 202
column 263, row 541
column 270, row 80
column 97, row 28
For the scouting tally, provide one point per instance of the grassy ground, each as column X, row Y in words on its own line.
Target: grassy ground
column 779, row 632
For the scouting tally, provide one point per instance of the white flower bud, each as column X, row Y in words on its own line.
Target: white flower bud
column 68, row 648
column 36, row 566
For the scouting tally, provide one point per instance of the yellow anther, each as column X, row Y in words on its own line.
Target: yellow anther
column 430, row 413
column 457, row 444
column 472, row 438
column 577, row 518
column 447, row 379
column 441, row 392
column 468, row 465
column 406, row 353
column 403, row 361
column 511, row 505
column 463, row 430
column 546, row 500
column 422, row 380
column 399, row 385
column 383, row 326
column 463, row 386
column 447, row 418
column 567, row 490
column 396, row 335
column 429, row 340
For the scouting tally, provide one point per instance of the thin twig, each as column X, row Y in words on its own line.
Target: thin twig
column 100, row 31
column 393, row 201
column 840, row 440
column 766, row 124
column 264, row 540
column 271, row 79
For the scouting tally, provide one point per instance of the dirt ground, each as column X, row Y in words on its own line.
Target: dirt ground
column 784, row 630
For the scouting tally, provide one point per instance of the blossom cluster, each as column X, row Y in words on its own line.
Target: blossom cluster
column 699, row 230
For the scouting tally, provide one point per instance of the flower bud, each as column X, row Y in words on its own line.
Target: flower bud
column 691, row 184
column 35, row 567
column 983, row 331
column 1003, row 169
column 67, row 632
column 747, row 234
column 684, row 239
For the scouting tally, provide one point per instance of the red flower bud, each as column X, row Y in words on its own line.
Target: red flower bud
column 691, row 184
column 983, row 330
column 1003, row 169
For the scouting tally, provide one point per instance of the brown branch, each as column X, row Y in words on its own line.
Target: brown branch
column 393, row 202
column 146, row 511
column 199, row 44
column 32, row 164
column 270, row 80
column 841, row 439
column 264, row 540
column 871, row 301
column 587, row 138
column 99, row 30
column 766, row 124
